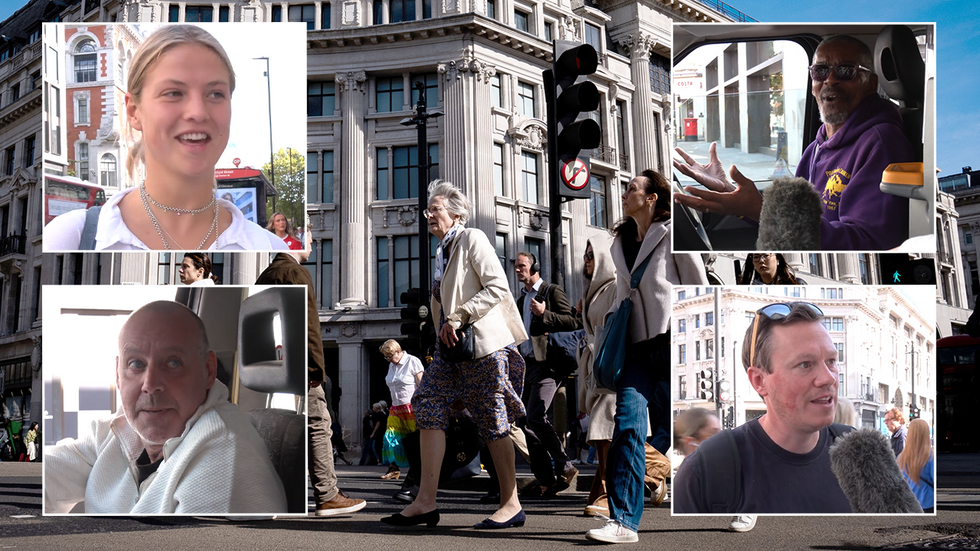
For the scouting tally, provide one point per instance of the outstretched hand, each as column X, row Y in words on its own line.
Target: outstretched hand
column 711, row 175
column 744, row 201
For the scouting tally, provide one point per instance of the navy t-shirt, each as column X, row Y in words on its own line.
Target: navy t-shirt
column 773, row 479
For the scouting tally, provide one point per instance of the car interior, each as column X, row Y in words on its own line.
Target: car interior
column 258, row 334
column 906, row 68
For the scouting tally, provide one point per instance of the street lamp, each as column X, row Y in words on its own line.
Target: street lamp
column 419, row 121
column 272, row 163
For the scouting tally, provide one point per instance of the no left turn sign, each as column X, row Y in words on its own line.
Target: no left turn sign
column 575, row 174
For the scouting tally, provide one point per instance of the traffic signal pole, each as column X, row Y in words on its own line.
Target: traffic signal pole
column 554, row 197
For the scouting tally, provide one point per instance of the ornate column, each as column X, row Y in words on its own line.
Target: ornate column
column 468, row 157
column 351, row 87
column 848, row 268
column 644, row 135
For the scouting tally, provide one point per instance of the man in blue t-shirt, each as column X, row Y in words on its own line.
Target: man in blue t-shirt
column 782, row 457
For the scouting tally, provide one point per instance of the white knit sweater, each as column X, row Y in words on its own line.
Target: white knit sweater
column 219, row 465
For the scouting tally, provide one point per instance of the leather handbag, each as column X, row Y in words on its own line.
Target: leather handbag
column 610, row 339
column 462, row 351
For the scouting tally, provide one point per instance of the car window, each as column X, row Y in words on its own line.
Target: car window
column 750, row 97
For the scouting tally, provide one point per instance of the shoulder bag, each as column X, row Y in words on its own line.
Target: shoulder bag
column 610, row 339
column 462, row 351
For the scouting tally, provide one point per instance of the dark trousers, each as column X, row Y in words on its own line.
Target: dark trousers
column 548, row 458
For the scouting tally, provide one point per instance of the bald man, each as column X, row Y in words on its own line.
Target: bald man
column 178, row 445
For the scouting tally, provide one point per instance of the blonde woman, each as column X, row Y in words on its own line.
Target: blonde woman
column 178, row 113
column 284, row 230
column 918, row 464
column 404, row 374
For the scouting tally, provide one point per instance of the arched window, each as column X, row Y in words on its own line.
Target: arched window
column 85, row 61
column 107, row 170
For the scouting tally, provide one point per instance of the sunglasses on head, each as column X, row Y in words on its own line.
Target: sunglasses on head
column 844, row 72
column 776, row 312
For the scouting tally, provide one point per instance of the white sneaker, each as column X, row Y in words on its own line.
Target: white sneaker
column 742, row 523
column 612, row 532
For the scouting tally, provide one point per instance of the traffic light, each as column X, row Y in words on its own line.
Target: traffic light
column 707, row 384
column 571, row 96
column 416, row 311
column 901, row 269
column 913, row 412
column 724, row 391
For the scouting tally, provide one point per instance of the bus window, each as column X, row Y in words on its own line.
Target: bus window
column 65, row 194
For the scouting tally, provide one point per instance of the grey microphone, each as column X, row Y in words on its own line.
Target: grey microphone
column 865, row 466
column 790, row 217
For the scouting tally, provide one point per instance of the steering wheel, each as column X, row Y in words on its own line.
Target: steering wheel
column 690, row 230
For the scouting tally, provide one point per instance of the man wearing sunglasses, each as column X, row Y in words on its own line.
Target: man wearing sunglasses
column 860, row 136
column 780, row 462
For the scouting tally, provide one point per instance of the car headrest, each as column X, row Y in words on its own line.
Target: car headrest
column 898, row 63
column 261, row 369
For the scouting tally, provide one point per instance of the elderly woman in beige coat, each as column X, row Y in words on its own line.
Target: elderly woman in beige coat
column 469, row 287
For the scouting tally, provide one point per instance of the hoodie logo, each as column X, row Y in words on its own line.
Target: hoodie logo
column 837, row 180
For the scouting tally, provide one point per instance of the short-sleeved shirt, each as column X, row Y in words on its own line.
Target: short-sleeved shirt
column 401, row 379
column 774, row 480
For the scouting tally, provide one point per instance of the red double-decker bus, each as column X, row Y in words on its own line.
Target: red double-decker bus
column 958, row 395
column 66, row 193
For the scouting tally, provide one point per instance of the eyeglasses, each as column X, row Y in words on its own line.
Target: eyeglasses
column 844, row 72
column 776, row 312
column 389, row 357
column 762, row 256
column 430, row 212
column 589, row 255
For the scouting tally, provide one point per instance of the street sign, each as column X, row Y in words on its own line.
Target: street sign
column 575, row 174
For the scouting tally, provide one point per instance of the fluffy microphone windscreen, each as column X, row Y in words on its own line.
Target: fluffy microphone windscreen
column 865, row 466
column 790, row 217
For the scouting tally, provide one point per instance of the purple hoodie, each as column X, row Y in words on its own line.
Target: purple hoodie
column 846, row 171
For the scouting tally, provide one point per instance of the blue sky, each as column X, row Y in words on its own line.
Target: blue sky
column 957, row 44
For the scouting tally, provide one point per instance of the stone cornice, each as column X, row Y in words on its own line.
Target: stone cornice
column 468, row 23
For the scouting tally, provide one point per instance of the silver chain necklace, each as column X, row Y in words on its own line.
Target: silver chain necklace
column 179, row 211
column 145, row 199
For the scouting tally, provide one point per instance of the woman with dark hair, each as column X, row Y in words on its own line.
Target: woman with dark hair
column 31, row 440
column 768, row 269
column 196, row 270
column 643, row 243
column 284, row 230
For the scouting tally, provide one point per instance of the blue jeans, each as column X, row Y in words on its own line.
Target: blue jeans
column 644, row 380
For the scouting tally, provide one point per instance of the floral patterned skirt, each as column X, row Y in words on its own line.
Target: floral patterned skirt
column 489, row 387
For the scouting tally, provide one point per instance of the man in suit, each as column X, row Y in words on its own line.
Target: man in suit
column 545, row 309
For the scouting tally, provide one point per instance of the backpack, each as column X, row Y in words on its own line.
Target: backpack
column 720, row 470
column 562, row 345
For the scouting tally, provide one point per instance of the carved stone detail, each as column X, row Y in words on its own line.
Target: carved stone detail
column 638, row 45
column 457, row 69
column 568, row 28
column 351, row 80
column 406, row 215
column 348, row 330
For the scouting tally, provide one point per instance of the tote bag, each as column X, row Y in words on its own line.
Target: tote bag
column 610, row 339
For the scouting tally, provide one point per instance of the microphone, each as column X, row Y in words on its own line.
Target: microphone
column 790, row 217
column 865, row 466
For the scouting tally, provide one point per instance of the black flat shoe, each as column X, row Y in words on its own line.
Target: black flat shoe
column 515, row 521
column 429, row 519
